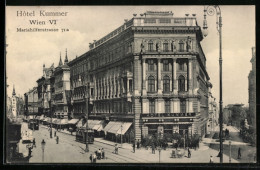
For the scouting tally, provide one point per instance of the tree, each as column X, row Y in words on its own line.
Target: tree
column 238, row 114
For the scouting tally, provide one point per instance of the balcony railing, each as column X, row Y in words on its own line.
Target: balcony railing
column 169, row 114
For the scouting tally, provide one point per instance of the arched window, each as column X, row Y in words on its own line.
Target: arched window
column 151, row 106
column 150, row 46
column 151, row 84
column 166, row 83
column 181, row 83
column 181, row 46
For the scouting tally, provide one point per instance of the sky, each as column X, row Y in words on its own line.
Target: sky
column 28, row 51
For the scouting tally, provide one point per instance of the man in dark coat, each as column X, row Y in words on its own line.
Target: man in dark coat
column 239, row 154
column 34, row 143
column 103, row 153
column 138, row 144
column 133, row 147
column 57, row 140
column 189, row 153
column 153, row 148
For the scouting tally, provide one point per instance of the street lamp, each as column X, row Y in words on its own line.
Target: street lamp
column 43, row 147
column 121, row 135
column 160, row 149
column 210, row 10
column 87, row 104
column 51, row 119
column 229, row 151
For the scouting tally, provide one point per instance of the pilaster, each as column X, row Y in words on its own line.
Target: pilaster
column 159, row 76
column 175, row 87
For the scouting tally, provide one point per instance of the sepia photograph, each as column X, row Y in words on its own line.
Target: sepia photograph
column 130, row 84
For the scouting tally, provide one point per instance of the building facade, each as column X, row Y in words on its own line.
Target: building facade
column 17, row 105
column 252, row 89
column 150, row 71
column 31, row 102
column 212, row 111
column 44, row 91
column 61, row 98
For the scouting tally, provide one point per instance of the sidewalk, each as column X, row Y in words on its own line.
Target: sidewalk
column 100, row 140
column 124, row 145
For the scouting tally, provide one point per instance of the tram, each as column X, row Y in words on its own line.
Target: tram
column 33, row 124
column 81, row 135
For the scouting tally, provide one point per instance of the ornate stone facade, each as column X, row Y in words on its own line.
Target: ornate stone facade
column 62, row 95
column 151, row 71
column 252, row 89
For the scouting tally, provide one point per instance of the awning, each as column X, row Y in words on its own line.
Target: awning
column 46, row 119
column 64, row 121
column 29, row 117
column 49, row 120
column 96, row 127
column 124, row 128
column 54, row 120
column 73, row 121
column 108, row 126
column 42, row 117
column 115, row 127
column 79, row 124
column 58, row 121
column 101, row 127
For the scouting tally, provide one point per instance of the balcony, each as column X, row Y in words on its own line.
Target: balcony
column 144, row 115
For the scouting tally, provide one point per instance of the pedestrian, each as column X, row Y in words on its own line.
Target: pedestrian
column 211, row 159
column 94, row 158
column 239, row 153
column 34, row 143
column 57, row 140
column 116, row 149
column 176, row 146
column 103, row 153
column 91, row 158
column 30, row 152
column 55, row 133
column 99, row 154
column 153, row 148
column 134, row 147
column 189, row 153
column 138, row 144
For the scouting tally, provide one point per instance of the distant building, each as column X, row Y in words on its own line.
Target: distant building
column 213, row 112
column 31, row 102
column 44, row 90
column 61, row 98
column 252, row 89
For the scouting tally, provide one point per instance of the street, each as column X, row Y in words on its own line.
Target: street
column 70, row 151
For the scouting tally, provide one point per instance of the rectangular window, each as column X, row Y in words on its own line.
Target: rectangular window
column 167, row 106
column 165, row 47
column 165, row 20
column 181, row 45
column 150, row 46
column 165, row 65
column 152, row 106
column 183, row 106
column 150, row 65
column 130, row 85
column 150, row 20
